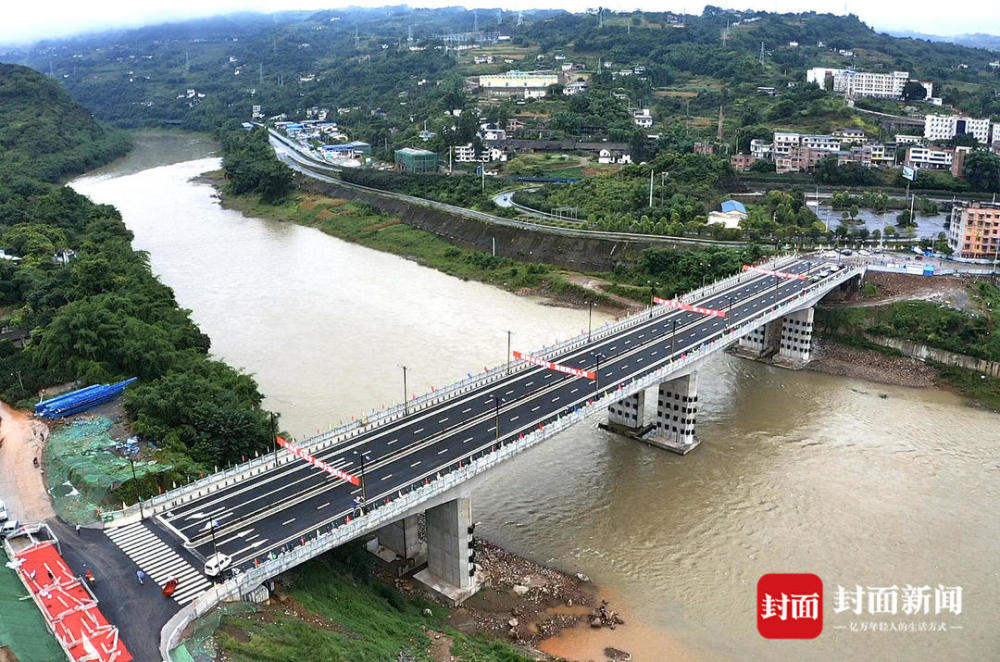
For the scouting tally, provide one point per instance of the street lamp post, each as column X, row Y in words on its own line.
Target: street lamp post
column 590, row 319
column 496, row 401
column 364, row 490
column 673, row 334
column 405, row 391
column 508, row 351
column 135, row 481
column 597, row 372
column 211, row 529
column 19, row 382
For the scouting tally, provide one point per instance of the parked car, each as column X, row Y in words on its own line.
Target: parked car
column 3, row 511
column 8, row 528
column 216, row 563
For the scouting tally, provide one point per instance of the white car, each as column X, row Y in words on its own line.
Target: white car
column 3, row 512
column 8, row 528
column 216, row 563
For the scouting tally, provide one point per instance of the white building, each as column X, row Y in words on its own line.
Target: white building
column 642, row 118
column 531, row 85
column 465, row 153
column 944, row 127
column 996, row 134
column 864, row 83
column 904, row 139
column 609, row 156
column 925, row 157
column 821, row 143
column 762, row 151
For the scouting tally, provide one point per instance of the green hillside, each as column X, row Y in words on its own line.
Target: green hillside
column 45, row 133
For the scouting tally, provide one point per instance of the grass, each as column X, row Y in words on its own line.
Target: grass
column 360, row 223
column 983, row 389
column 346, row 614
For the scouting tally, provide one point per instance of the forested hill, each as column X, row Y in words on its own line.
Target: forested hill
column 45, row 133
column 96, row 313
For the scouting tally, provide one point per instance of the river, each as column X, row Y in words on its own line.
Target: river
column 858, row 483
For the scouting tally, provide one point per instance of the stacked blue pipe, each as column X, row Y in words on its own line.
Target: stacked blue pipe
column 80, row 400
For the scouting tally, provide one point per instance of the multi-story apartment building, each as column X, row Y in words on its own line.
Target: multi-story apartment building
column 761, row 150
column 528, row 84
column 944, row 127
column 974, row 231
column 864, row 83
column 925, row 157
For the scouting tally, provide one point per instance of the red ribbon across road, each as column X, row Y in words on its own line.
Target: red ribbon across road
column 319, row 464
column 679, row 305
column 779, row 274
column 555, row 366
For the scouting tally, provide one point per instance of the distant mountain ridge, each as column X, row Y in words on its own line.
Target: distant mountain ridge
column 974, row 40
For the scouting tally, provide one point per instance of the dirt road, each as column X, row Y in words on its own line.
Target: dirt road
column 21, row 484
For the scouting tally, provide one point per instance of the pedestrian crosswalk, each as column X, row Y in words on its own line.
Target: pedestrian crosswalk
column 156, row 559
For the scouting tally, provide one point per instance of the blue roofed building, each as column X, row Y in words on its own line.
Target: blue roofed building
column 733, row 205
column 732, row 213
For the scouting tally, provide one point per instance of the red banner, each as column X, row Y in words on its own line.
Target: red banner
column 779, row 274
column 679, row 305
column 319, row 464
column 555, row 366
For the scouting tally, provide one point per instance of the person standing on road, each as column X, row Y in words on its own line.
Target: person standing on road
column 139, row 574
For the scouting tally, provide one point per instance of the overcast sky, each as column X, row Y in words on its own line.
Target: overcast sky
column 23, row 21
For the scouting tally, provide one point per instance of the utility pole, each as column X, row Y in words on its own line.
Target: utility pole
column 497, row 400
column 135, row 481
column 508, row 352
column 590, row 319
column 650, row 187
column 762, row 53
column 405, row 391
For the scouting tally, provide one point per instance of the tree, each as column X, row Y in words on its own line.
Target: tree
column 914, row 91
column 982, row 170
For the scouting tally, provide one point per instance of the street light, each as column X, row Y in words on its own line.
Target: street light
column 497, row 400
column 673, row 334
column 211, row 529
column 405, row 391
column 508, row 351
column 590, row 319
column 135, row 481
column 597, row 371
column 364, row 491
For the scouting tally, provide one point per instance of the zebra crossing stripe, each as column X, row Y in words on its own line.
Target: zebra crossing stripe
column 157, row 560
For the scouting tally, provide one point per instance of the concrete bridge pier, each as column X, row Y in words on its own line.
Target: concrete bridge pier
column 400, row 541
column 626, row 415
column 451, row 569
column 796, row 336
column 763, row 341
column 676, row 415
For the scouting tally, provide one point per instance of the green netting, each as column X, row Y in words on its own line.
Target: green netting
column 200, row 645
column 22, row 627
column 82, row 468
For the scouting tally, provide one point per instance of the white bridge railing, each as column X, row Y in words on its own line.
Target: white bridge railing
column 333, row 534
column 346, row 432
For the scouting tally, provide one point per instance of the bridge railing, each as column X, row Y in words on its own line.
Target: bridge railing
column 339, row 531
column 346, row 432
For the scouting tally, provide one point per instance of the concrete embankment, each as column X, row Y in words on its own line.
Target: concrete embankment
column 578, row 253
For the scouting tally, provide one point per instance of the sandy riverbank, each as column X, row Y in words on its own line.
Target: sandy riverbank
column 21, row 484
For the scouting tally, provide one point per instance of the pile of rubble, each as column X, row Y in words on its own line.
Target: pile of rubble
column 604, row 617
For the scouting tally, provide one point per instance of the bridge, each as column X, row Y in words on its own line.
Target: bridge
column 277, row 511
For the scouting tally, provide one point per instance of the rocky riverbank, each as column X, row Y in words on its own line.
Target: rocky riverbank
column 834, row 358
